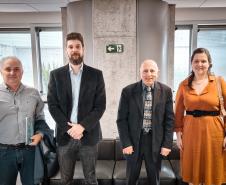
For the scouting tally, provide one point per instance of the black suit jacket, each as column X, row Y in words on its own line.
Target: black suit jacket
column 91, row 104
column 130, row 117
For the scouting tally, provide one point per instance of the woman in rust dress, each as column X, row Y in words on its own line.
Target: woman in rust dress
column 200, row 130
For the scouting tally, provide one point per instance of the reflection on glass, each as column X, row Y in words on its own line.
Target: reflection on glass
column 51, row 54
column 215, row 42
column 19, row 45
column 181, row 56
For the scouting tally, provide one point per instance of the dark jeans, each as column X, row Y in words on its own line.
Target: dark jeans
column 67, row 156
column 134, row 164
column 13, row 161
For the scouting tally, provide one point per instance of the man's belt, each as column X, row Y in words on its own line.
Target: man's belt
column 14, row 146
column 199, row 113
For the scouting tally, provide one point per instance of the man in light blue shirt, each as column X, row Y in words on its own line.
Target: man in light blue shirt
column 77, row 101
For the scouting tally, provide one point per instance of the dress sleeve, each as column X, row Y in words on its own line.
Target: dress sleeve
column 179, row 109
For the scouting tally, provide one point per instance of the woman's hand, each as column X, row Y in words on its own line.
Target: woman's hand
column 224, row 144
column 179, row 140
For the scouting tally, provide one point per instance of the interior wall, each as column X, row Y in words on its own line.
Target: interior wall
column 27, row 18
column 114, row 22
column 182, row 15
column 200, row 14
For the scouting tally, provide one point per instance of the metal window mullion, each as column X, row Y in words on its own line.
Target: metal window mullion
column 34, row 57
column 39, row 62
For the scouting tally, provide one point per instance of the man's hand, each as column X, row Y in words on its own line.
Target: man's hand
column 128, row 150
column 165, row 151
column 36, row 139
column 76, row 131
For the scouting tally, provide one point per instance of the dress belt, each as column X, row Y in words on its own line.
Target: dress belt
column 14, row 146
column 199, row 113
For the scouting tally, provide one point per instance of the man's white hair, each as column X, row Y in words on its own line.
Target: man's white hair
column 150, row 61
column 2, row 61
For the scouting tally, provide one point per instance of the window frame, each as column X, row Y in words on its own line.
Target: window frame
column 196, row 26
column 34, row 30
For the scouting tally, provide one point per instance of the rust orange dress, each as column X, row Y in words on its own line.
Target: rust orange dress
column 202, row 159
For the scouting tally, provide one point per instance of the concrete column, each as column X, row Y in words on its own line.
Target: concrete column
column 154, row 27
column 114, row 22
column 78, row 17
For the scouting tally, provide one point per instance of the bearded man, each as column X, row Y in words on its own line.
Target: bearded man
column 77, row 100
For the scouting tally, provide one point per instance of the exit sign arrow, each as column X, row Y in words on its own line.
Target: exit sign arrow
column 114, row 48
column 110, row 48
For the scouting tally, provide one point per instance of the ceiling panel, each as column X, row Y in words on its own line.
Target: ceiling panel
column 214, row 3
column 33, row 1
column 16, row 8
column 48, row 7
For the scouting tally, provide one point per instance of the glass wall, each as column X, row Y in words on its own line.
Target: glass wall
column 40, row 51
column 18, row 44
column 181, row 55
column 51, row 52
column 214, row 39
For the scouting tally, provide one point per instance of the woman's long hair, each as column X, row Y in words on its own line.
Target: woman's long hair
column 198, row 51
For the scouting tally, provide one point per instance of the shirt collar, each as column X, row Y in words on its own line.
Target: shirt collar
column 144, row 86
column 71, row 70
column 6, row 87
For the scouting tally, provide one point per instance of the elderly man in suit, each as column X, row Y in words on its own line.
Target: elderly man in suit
column 145, row 124
column 77, row 100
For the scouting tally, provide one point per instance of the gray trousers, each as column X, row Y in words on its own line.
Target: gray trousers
column 67, row 155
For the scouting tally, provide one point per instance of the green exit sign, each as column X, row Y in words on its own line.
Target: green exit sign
column 114, row 48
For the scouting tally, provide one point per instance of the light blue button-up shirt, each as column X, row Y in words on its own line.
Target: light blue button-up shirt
column 75, row 85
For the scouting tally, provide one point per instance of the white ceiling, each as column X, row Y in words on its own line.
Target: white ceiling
column 55, row 5
column 33, row 5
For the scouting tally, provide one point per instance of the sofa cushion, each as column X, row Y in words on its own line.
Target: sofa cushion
column 118, row 150
column 106, row 149
column 175, row 152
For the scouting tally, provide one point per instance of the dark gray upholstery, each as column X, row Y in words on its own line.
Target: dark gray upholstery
column 167, row 176
column 175, row 152
column 104, row 167
column 111, row 167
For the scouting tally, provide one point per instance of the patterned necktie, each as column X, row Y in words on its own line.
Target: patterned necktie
column 147, row 110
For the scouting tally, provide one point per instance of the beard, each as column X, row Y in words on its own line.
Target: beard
column 76, row 61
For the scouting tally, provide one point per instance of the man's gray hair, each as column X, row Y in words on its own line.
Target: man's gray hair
column 9, row 58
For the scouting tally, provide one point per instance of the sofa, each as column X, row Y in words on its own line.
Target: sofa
column 111, row 167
